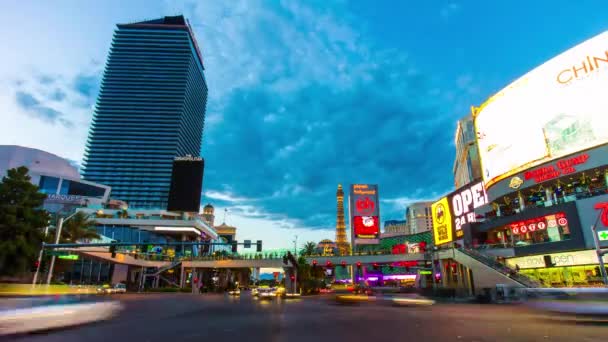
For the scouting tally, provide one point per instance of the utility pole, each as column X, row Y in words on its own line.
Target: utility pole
column 295, row 267
column 598, row 250
column 40, row 254
column 57, row 236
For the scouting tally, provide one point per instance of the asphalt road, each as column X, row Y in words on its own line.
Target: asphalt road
column 186, row 317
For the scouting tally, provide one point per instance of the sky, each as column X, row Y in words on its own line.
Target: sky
column 303, row 95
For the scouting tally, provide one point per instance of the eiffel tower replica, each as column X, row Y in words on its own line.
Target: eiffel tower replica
column 341, row 240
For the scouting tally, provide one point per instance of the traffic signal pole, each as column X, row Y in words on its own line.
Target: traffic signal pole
column 40, row 254
column 599, row 251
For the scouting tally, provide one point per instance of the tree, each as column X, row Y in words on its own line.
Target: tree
column 310, row 248
column 77, row 228
column 22, row 220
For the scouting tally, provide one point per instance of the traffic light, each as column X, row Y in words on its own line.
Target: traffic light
column 376, row 266
column 328, row 263
column 234, row 246
column 358, row 264
column 314, row 263
column 292, row 277
column 258, row 246
column 343, row 263
column 37, row 263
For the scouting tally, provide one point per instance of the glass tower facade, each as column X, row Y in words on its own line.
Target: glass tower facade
column 150, row 109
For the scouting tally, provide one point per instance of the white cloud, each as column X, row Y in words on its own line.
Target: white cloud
column 273, row 233
column 224, row 196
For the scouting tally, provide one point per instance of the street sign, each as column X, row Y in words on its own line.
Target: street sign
column 58, row 253
column 247, row 243
column 69, row 257
column 602, row 235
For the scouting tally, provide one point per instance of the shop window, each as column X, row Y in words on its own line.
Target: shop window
column 549, row 228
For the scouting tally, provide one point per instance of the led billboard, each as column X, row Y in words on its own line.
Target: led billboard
column 555, row 110
column 366, row 227
column 364, row 208
column 455, row 210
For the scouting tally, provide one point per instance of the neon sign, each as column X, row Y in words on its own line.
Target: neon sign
column 539, row 223
column 604, row 212
column 561, row 167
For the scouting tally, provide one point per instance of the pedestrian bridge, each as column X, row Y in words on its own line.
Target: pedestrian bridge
column 235, row 262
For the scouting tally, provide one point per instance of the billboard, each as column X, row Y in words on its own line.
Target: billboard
column 455, row 210
column 555, row 110
column 366, row 227
column 186, row 184
column 364, row 208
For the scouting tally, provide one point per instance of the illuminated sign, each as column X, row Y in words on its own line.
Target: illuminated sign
column 366, row 227
column 442, row 222
column 562, row 167
column 539, row 223
column 424, row 272
column 64, row 198
column 553, row 111
column 69, row 257
column 455, row 210
column 364, row 210
column 604, row 212
column 587, row 257
column 515, row 182
column 464, row 202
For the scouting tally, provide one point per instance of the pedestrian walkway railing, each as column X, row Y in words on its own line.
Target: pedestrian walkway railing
column 500, row 267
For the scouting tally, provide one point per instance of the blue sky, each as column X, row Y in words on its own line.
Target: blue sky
column 302, row 95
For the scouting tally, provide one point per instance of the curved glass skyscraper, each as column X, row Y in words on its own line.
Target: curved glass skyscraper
column 150, row 109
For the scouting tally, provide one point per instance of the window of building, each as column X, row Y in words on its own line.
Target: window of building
column 80, row 189
column 48, row 185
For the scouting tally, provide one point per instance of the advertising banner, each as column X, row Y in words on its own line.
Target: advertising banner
column 366, row 227
column 364, row 208
column 442, row 222
column 455, row 210
column 555, row 110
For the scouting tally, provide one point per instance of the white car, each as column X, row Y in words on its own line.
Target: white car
column 41, row 317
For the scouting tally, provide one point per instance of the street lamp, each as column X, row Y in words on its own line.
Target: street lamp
column 598, row 250
column 57, row 237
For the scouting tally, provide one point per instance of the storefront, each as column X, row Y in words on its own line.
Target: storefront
column 579, row 268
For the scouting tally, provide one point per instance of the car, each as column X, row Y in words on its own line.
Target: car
column 236, row 292
column 117, row 288
column 266, row 293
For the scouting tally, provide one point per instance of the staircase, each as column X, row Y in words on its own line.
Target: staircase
column 468, row 257
column 167, row 267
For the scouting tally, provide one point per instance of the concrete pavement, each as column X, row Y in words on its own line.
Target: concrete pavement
column 186, row 317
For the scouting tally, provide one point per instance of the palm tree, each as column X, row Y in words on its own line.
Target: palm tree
column 310, row 248
column 79, row 227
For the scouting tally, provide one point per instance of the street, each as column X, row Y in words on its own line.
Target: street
column 186, row 317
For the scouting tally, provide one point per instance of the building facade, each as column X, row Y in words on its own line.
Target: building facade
column 150, row 109
column 55, row 177
column 396, row 226
column 418, row 217
column 467, row 166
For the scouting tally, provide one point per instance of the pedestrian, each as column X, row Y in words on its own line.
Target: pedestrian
column 516, row 268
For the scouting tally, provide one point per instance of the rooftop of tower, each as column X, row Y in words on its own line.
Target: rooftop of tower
column 177, row 22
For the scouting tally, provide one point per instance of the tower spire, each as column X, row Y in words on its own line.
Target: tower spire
column 341, row 240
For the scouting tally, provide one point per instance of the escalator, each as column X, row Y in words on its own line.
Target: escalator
column 487, row 272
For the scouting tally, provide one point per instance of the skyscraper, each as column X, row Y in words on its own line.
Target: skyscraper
column 341, row 241
column 467, row 167
column 150, row 109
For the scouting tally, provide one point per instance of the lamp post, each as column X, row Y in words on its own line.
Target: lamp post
column 598, row 250
column 295, row 267
column 57, row 237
